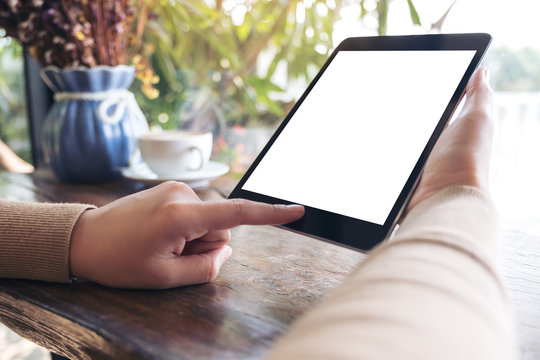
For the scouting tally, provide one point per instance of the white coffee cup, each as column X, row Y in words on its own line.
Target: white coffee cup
column 169, row 153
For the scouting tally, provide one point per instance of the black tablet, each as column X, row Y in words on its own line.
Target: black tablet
column 353, row 147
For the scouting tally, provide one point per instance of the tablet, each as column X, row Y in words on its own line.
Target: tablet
column 353, row 147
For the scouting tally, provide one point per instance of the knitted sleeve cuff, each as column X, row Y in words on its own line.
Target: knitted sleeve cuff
column 35, row 239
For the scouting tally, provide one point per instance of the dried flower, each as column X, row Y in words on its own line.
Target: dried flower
column 81, row 33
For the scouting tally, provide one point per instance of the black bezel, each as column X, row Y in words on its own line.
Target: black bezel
column 349, row 231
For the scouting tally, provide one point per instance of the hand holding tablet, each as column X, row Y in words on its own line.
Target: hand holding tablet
column 462, row 154
column 355, row 144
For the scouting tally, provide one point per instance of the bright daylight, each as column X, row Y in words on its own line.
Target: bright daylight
column 125, row 125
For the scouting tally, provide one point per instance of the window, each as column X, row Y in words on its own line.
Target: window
column 13, row 119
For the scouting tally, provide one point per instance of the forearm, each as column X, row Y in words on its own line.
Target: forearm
column 431, row 293
column 35, row 239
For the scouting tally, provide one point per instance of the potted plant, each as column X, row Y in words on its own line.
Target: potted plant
column 85, row 47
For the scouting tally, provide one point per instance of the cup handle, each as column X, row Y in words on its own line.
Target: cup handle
column 201, row 158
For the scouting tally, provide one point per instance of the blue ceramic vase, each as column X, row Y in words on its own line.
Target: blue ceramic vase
column 92, row 128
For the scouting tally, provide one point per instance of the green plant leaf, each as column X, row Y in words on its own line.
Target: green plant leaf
column 414, row 14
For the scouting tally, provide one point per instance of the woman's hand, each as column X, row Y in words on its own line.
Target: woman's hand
column 462, row 153
column 163, row 237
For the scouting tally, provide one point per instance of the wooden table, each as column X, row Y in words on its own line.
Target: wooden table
column 272, row 278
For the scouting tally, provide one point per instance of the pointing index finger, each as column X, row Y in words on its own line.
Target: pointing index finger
column 226, row 214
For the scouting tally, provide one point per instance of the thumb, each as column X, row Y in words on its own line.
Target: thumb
column 196, row 268
column 479, row 94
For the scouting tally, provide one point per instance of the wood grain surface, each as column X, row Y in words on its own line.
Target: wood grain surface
column 520, row 268
column 272, row 278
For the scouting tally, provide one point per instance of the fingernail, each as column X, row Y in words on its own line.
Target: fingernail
column 225, row 254
column 297, row 208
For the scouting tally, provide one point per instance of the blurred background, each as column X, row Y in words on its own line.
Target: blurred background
column 236, row 67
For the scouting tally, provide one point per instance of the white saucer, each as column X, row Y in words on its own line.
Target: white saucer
column 195, row 179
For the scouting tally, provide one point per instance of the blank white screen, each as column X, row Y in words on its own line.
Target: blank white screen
column 353, row 142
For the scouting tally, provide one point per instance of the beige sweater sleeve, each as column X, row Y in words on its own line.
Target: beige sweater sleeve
column 432, row 292
column 34, row 239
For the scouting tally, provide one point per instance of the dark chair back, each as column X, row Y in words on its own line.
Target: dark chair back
column 39, row 99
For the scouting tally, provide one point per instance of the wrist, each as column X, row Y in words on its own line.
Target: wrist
column 431, row 184
column 76, row 248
